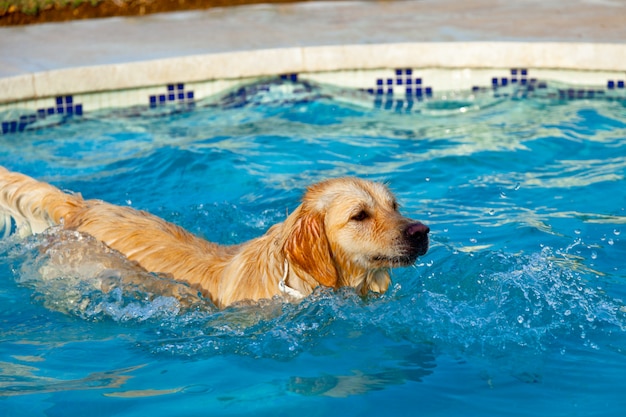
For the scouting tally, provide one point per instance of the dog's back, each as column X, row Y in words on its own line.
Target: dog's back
column 156, row 245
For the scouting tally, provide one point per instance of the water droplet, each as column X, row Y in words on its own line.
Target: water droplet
column 594, row 254
column 492, row 212
column 568, row 312
column 520, row 319
column 610, row 242
column 577, row 231
column 473, row 240
column 427, row 179
column 502, row 194
column 617, row 232
column 517, row 186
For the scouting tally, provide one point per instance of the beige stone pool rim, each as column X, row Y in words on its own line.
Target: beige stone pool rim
column 350, row 44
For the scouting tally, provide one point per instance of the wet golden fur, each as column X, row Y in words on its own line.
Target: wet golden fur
column 346, row 232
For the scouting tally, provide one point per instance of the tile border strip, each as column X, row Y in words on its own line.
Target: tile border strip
column 397, row 89
column 268, row 62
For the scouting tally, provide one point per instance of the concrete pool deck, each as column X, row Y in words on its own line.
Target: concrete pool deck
column 122, row 53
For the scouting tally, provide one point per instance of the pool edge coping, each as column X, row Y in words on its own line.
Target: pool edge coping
column 585, row 56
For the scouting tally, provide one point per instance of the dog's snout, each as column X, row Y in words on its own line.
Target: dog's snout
column 416, row 235
column 416, row 231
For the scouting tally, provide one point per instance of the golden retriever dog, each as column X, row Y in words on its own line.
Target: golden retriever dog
column 346, row 232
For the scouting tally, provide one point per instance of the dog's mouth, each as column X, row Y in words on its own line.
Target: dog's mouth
column 408, row 253
column 394, row 260
column 402, row 260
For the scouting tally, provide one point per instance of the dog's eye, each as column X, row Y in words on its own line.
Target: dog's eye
column 395, row 206
column 360, row 216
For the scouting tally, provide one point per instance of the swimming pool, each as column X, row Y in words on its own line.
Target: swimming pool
column 517, row 309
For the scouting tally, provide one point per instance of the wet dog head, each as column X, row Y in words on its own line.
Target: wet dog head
column 348, row 231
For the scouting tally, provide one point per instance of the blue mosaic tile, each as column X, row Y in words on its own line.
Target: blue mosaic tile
column 389, row 103
column 289, row 77
column 412, row 88
column 518, row 85
column 517, row 76
column 62, row 105
column 578, row 93
column 175, row 94
column 613, row 84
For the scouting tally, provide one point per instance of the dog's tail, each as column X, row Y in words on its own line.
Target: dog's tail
column 31, row 205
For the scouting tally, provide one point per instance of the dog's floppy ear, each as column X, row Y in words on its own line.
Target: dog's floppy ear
column 308, row 249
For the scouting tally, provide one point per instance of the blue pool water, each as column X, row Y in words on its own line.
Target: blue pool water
column 518, row 308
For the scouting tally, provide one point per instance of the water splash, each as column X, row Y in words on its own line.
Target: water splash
column 491, row 305
column 73, row 273
column 492, row 302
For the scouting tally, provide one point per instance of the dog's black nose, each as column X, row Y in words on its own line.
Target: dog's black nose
column 416, row 235
column 416, row 231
